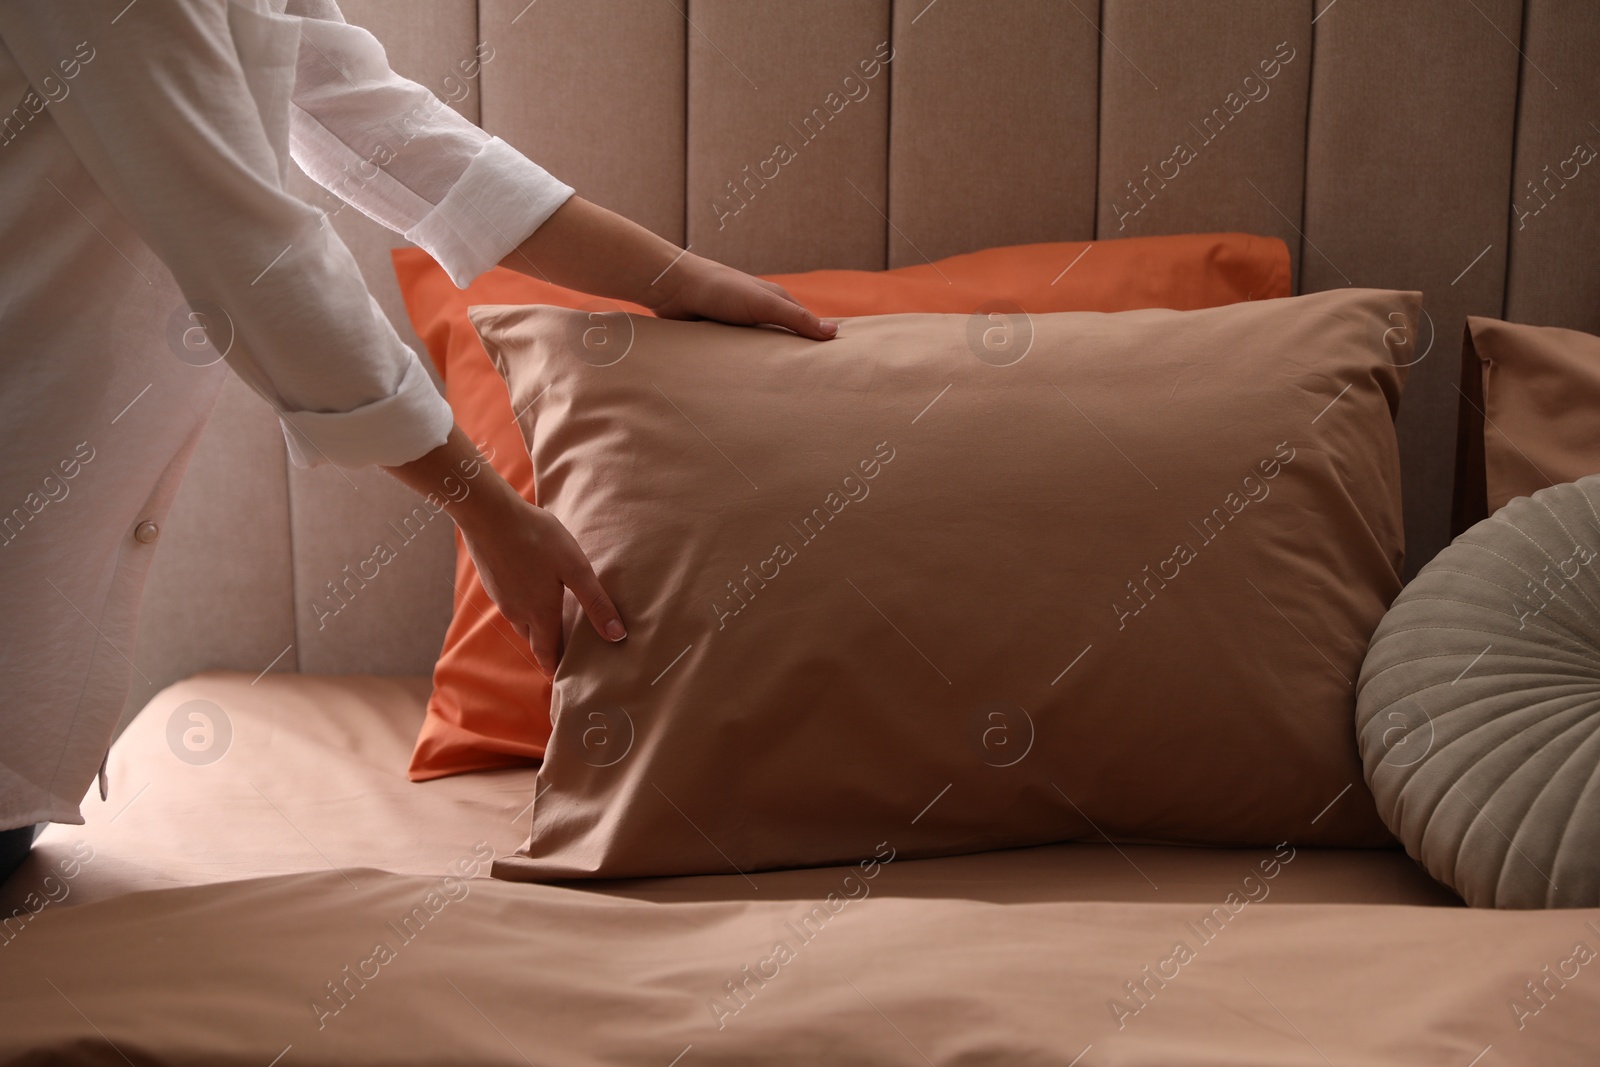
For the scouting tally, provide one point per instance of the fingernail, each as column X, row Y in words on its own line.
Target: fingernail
column 614, row 631
column 830, row 328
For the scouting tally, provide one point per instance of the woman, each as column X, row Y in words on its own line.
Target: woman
column 144, row 152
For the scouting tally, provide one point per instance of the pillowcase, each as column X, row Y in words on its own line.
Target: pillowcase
column 1478, row 710
column 898, row 590
column 1530, row 394
column 490, row 704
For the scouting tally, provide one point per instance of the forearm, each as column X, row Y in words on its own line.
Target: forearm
column 585, row 247
column 458, row 477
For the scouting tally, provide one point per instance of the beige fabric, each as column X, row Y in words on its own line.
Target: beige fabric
column 1035, row 128
column 596, row 91
column 291, row 773
column 425, row 40
column 313, row 780
column 189, row 620
column 952, row 538
column 490, row 973
column 1554, row 277
column 353, row 610
column 1480, row 705
column 1226, row 81
column 1541, row 386
column 1084, row 871
column 764, row 73
column 1400, row 193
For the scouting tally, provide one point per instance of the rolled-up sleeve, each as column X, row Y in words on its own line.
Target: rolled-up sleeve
column 395, row 151
column 177, row 128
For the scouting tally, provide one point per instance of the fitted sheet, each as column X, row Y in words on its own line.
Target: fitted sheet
column 288, row 970
column 313, row 778
column 289, row 904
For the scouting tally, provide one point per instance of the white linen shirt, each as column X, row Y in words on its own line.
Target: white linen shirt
column 144, row 152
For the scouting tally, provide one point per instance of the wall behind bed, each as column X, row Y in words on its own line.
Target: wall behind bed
column 1422, row 145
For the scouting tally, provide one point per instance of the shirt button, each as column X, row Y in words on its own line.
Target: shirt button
column 146, row 532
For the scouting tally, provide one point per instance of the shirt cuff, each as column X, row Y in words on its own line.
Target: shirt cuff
column 404, row 426
column 501, row 198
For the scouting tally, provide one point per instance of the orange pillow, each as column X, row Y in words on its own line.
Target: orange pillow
column 490, row 705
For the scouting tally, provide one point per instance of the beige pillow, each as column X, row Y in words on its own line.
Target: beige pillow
column 1540, row 390
column 1479, row 710
column 953, row 583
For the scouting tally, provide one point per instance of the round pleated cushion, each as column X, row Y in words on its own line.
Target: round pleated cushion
column 1478, row 707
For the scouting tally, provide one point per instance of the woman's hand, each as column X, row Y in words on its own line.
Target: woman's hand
column 585, row 247
column 699, row 288
column 527, row 559
column 524, row 555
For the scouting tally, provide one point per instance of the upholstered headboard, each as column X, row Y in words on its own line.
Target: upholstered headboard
column 1427, row 144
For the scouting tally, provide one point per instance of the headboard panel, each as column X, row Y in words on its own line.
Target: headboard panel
column 761, row 73
column 1175, row 79
column 1387, row 152
column 595, row 92
column 1408, row 163
column 994, row 122
column 1555, row 225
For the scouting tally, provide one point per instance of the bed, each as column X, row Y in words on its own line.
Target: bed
column 210, row 909
column 300, row 901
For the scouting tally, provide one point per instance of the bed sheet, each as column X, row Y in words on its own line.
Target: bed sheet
column 305, row 773
column 369, row 967
column 297, row 901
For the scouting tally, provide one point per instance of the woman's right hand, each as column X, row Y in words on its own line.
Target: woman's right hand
column 524, row 555
column 527, row 560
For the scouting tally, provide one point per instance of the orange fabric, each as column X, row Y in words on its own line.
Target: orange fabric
column 490, row 704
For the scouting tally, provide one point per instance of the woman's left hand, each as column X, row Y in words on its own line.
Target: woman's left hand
column 583, row 246
column 698, row 288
